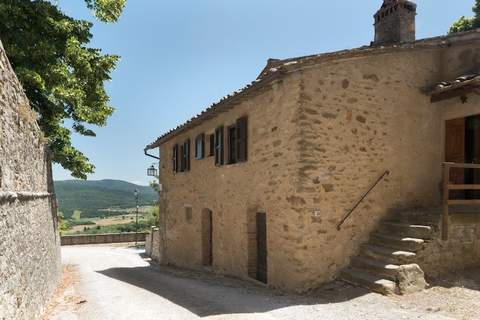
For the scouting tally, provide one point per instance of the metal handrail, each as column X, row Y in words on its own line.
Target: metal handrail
column 339, row 225
column 447, row 186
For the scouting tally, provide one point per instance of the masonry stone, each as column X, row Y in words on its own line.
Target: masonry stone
column 29, row 237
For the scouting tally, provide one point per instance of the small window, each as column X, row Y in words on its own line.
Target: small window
column 175, row 158
column 211, row 145
column 200, row 147
column 219, row 146
column 188, row 214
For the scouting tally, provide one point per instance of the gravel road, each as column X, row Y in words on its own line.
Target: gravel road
column 118, row 283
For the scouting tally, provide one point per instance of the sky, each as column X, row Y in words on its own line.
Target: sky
column 180, row 56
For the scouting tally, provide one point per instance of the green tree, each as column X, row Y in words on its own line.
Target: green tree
column 465, row 24
column 62, row 223
column 62, row 77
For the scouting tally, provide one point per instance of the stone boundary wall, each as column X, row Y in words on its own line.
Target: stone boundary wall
column 103, row 238
column 29, row 239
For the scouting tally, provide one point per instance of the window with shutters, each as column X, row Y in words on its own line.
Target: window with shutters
column 242, row 139
column 185, row 156
column 200, row 147
column 182, row 159
column 232, row 144
column 175, row 158
column 211, row 141
column 219, row 146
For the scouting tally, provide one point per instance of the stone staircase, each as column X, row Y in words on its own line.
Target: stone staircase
column 387, row 263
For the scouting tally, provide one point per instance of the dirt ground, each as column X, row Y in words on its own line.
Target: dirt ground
column 116, row 282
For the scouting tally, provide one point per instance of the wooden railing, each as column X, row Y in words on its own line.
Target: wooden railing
column 447, row 186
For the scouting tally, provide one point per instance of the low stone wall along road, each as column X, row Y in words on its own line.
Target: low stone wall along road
column 115, row 282
column 70, row 240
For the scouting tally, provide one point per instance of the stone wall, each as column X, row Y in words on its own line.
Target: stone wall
column 73, row 240
column 460, row 251
column 361, row 117
column 29, row 238
column 232, row 192
column 318, row 139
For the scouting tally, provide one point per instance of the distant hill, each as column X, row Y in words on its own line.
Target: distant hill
column 90, row 196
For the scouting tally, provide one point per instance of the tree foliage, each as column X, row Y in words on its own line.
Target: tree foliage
column 62, row 77
column 465, row 24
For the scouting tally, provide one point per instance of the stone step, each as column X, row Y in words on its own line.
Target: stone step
column 376, row 267
column 364, row 279
column 397, row 242
column 389, row 255
column 406, row 229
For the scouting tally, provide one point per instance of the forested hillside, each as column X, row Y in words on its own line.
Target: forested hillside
column 91, row 196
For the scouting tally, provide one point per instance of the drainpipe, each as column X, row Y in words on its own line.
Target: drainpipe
column 164, row 213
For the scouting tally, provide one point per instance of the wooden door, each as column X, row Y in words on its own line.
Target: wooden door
column 455, row 152
column 262, row 247
column 207, row 237
column 472, row 153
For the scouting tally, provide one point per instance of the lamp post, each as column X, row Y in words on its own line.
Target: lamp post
column 136, row 193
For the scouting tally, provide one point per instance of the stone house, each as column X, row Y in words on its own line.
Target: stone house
column 330, row 166
column 29, row 238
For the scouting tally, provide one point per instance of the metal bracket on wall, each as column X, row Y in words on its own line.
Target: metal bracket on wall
column 150, row 155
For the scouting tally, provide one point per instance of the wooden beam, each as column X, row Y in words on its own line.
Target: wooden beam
column 464, row 186
column 462, row 165
column 464, row 202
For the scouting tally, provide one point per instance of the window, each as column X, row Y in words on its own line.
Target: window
column 188, row 214
column 242, row 139
column 219, row 146
column 237, row 141
column 175, row 158
column 212, row 145
column 232, row 144
column 182, row 159
column 200, row 147
column 185, row 156
column 185, row 161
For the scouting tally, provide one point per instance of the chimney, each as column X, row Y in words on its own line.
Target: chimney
column 395, row 22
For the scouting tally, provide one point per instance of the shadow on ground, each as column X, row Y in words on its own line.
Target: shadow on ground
column 206, row 294
column 468, row 279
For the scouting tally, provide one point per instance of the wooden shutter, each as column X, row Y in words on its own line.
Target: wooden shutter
column 455, row 152
column 212, row 145
column 187, row 155
column 175, row 158
column 200, row 146
column 242, row 139
column 182, row 158
column 219, row 146
column 232, row 144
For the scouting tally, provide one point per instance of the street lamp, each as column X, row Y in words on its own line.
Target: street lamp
column 136, row 193
column 152, row 171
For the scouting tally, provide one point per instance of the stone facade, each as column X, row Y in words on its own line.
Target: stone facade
column 460, row 251
column 321, row 130
column 29, row 237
